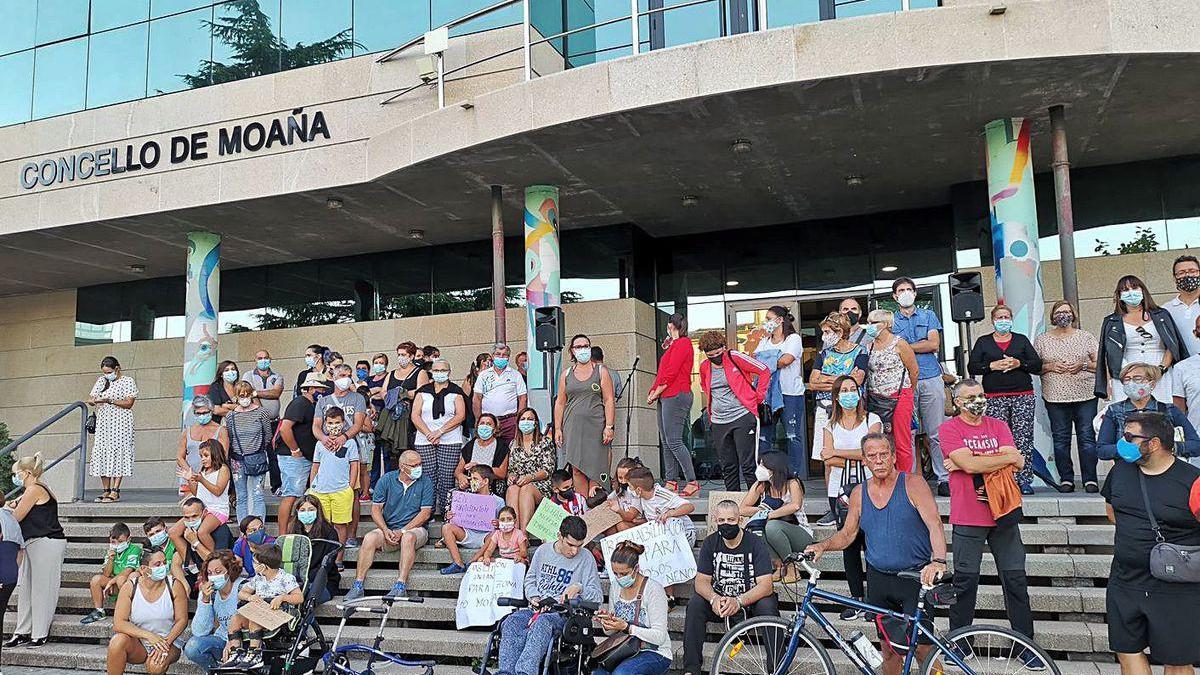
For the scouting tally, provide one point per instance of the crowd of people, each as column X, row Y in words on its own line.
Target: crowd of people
column 403, row 435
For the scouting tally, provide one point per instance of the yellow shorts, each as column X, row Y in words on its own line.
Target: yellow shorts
column 337, row 506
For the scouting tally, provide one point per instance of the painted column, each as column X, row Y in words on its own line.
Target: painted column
column 200, row 321
column 543, row 269
column 1014, row 223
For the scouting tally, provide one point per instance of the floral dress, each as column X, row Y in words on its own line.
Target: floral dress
column 543, row 456
column 112, row 448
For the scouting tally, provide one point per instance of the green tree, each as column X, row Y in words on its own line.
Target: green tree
column 1146, row 241
column 257, row 50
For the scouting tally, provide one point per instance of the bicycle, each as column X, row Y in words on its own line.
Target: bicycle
column 752, row 647
column 342, row 659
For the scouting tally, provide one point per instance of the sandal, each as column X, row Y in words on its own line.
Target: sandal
column 672, row 485
column 104, row 498
column 440, row 543
column 114, row 495
column 690, row 490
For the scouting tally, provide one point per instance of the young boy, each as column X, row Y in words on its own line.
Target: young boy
column 481, row 477
column 269, row 584
column 120, row 561
column 658, row 504
column 563, row 493
column 334, row 475
column 155, row 529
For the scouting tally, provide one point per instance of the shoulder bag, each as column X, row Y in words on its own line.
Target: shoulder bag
column 616, row 648
column 850, row 480
column 1169, row 562
column 253, row 463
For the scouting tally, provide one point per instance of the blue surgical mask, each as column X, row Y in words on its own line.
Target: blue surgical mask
column 848, row 399
column 17, row 480
column 485, row 431
column 583, row 354
column 361, row 373
column 1132, row 297
column 263, row 364
column 415, row 472
column 1128, row 451
column 230, row 376
column 158, row 539
column 441, row 376
column 119, row 547
column 111, row 377
column 158, row 573
column 526, row 426
column 310, row 361
column 257, row 537
column 307, row 517
column 500, row 362
column 218, row 581
column 871, row 330
column 193, row 524
column 626, row 581
column 204, row 418
column 1003, row 326
column 378, row 369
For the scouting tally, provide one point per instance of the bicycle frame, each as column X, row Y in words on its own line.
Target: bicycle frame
column 373, row 651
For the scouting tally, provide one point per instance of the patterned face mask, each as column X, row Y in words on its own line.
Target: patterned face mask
column 1063, row 319
column 1187, row 284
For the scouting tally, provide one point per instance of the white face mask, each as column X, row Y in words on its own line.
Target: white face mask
column 906, row 298
column 830, row 339
column 342, row 383
column 244, row 401
column 762, row 473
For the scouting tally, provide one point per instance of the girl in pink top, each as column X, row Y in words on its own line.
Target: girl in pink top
column 508, row 541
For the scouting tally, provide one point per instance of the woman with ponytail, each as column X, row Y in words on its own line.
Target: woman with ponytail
column 40, row 574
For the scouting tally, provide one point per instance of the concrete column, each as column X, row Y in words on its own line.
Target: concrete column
column 200, row 317
column 543, row 269
column 1062, row 200
column 499, row 297
column 1014, row 223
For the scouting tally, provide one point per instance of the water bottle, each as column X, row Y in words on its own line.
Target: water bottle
column 865, row 649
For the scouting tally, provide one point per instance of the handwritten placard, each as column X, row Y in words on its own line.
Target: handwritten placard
column 546, row 521
column 600, row 519
column 472, row 511
column 668, row 558
column 716, row 497
column 481, row 586
column 261, row 613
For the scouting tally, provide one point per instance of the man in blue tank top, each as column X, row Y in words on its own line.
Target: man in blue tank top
column 903, row 534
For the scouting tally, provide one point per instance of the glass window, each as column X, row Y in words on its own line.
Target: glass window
column 448, row 10
column 108, row 14
column 164, row 7
column 685, row 25
column 180, row 47
column 245, row 39
column 380, row 25
column 547, row 19
column 606, row 42
column 61, row 19
column 117, row 66
column 20, row 19
column 847, row 8
column 60, row 78
column 792, row 12
column 16, row 87
column 323, row 26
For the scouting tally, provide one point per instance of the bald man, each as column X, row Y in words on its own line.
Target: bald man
column 402, row 503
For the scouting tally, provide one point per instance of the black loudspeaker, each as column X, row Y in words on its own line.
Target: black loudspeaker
column 549, row 328
column 966, row 297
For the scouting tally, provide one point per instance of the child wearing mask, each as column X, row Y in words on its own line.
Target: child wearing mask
column 622, row 500
column 254, row 533
column 508, row 541
column 480, row 481
column 334, row 475
column 120, row 562
column 272, row 585
column 563, row 493
column 155, row 529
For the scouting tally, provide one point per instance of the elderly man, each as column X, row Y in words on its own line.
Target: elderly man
column 501, row 391
column 268, row 387
column 402, row 504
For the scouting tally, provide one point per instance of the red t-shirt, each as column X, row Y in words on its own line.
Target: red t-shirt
column 985, row 439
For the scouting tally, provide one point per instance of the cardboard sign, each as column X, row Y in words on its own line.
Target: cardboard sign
column 546, row 521
column 472, row 511
column 668, row 558
column 716, row 497
column 600, row 519
column 481, row 586
column 261, row 613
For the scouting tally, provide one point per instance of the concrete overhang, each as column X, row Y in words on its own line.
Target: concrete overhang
column 899, row 99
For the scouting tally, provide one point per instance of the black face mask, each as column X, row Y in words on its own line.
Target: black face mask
column 729, row 531
column 717, row 359
column 566, row 495
column 853, row 318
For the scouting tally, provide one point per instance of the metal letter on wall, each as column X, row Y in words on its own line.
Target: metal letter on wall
column 543, row 268
column 200, row 322
column 1014, row 223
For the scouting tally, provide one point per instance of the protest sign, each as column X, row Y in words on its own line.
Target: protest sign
column 481, row 586
column 668, row 558
column 598, row 520
column 472, row 511
column 261, row 613
column 546, row 520
column 716, row 497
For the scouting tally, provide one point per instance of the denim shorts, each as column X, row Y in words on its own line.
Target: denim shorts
column 293, row 472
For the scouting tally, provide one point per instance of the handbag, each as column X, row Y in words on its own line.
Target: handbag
column 254, row 463
column 849, row 482
column 616, row 648
column 1170, row 562
column 884, row 407
column 90, row 423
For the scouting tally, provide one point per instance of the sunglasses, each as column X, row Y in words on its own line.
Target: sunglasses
column 1129, row 436
column 1142, row 332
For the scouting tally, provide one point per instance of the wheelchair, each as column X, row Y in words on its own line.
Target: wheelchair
column 569, row 652
column 298, row 646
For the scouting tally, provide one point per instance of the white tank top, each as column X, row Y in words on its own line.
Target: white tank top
column 848, row 438
column 213, row 502
column 452, row 437
column 158, row 617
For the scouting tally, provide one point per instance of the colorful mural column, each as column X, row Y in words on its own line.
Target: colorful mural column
column 1014, row 223
column 200, row 320
column 543, row 268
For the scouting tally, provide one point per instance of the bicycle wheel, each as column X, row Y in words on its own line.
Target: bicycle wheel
column 989, row 650
column 755, row 647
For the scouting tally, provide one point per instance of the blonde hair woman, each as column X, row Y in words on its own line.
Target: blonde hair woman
column 40, row 574
column 1138, row 382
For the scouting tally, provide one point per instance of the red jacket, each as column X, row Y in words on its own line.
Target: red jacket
column 675, row 368
column 748, row 379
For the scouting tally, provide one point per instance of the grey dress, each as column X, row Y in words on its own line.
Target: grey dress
column 583, row 425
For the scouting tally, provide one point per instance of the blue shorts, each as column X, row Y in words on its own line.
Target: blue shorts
column 293, row 473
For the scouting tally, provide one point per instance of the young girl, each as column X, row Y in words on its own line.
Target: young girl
column 480, row 483
column 508, row 541
column 622, row 500
column 270, row 584
column 254, row 533
column 210, row 485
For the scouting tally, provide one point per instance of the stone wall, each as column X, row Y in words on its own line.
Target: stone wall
column 41, row 370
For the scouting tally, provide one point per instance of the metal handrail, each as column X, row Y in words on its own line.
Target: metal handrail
column 80, row 447
column 449, row 24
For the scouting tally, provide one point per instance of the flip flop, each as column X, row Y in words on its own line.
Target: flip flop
column 440, row 543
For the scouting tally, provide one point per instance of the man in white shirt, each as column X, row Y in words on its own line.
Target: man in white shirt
column 1185, row 377
column 501, row 391
column 1185, row 307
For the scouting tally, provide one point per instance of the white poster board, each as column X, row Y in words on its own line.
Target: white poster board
column 668, row 558
column 482, row 585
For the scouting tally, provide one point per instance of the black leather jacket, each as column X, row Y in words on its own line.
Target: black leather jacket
column 1110, row 358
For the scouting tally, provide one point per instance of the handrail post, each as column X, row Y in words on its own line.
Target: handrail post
column 525, row 28
column 81, row 459
column 441, row 75
column 762, row 14
column 634, row 20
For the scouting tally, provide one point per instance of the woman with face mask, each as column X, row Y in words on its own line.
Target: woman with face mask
column 245, row 431
column 150, row 618
column 891, row 377
column 439, row 409
column 775, row 506
column 532, row 459
column 1138, row 331
column 637, row 606
column 1068, row 373
column 39, row 578
column 584, row 414
column 396, row 432
column 112, row 400
column 202, row 428
column 1139, row 382
column 672, row 390
column 309, row 520
column 315, row 362
column 1007, row 361
column 485, row 448
column 838, row 357
column 217, row 601
column 221, row 391
column 777, row 345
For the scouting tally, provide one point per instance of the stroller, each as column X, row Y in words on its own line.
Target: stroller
column 299, row 645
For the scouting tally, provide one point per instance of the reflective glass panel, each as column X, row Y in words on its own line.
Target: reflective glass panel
column 245, row 39
column 323, row 26
column 16, row 87
column 179, row 47
column 448, row 10
column 60, row 78
column 61, row 19
column 108, row 14
column 17, row 28
column 164, row 7
column 117, row 66
column 848, row 8
column 792, row 12
column 385, row 24
column 688, row 24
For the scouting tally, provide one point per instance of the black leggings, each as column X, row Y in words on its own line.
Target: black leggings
column 853, row 562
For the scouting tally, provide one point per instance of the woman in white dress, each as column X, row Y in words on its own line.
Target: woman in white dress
column 112, row 398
